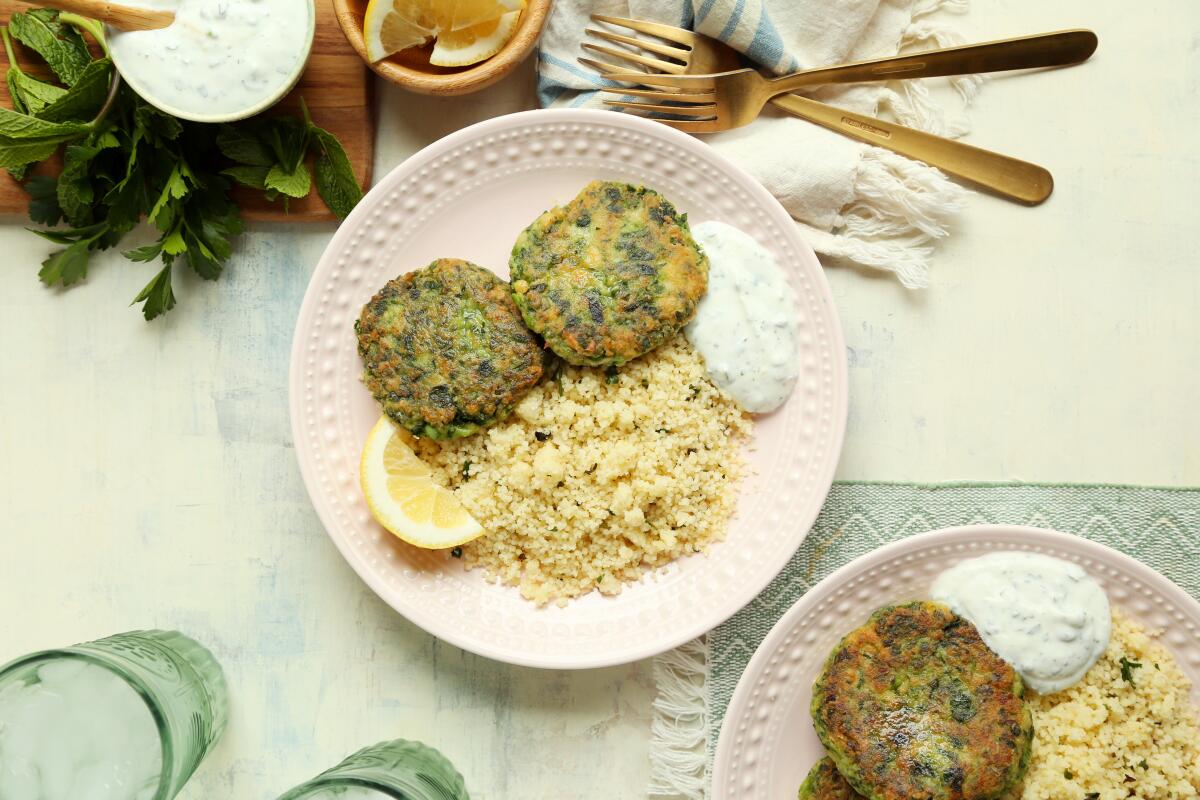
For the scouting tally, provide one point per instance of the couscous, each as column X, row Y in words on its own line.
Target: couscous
column 599, row 475
column 1128, row 729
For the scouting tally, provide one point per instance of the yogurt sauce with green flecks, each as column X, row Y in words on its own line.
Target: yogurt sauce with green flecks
column 745, row 327
column 1046, row 617
column 220, row 58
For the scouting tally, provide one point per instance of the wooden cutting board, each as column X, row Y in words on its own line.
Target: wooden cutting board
column 336, row 86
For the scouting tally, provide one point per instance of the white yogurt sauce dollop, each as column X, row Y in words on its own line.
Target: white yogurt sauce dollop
column 1045, row 616
column 220, row 58
column 745, row 327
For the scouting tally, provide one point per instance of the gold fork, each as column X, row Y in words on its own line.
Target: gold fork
column 692, row 93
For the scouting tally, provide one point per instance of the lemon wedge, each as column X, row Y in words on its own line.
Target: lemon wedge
column 470, row 13
column 473, row 27
column 474, row 44
column 403, row 497
column 390, row 26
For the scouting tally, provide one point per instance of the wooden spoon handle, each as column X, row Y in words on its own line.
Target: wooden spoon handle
column 121, row 17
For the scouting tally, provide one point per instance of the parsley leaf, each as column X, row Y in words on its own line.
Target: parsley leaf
column 43, row 200
column 1127, row 668
column 157, row 298
column 66, row 266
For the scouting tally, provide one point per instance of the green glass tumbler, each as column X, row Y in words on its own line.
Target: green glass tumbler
column 180, row 682
column 398, row 769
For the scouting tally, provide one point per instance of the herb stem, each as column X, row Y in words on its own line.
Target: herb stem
column 86, row 24
column 113, row 89
column 8, row 48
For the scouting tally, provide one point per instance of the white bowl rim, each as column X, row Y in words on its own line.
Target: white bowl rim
column 258, row 108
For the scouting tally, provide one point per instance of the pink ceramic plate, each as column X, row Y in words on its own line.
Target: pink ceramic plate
column 767, row 743
column 469, row 196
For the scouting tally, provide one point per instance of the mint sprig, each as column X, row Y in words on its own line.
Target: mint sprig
column 125, row 161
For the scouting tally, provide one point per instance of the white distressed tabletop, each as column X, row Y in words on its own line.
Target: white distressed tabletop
column 147, row 474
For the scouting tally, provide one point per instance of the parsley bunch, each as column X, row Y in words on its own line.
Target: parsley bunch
column 124, row 160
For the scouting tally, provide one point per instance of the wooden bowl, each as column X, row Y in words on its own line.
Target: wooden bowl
column 412, row 70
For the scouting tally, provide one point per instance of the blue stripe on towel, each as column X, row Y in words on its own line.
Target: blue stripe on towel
column 705, row 9
column 767, row 47
column 686, row 18
column 591, row 77
column 732, row 23
column 548, row 91
column 581, row 99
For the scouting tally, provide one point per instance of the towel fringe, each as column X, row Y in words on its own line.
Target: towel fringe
column 925, row 34
column 679, row 728
column 903, row 206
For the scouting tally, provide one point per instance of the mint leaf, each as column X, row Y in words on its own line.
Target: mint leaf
column 157, row 298
column 296, row 183
column 254, row 177
column 241, row 145
column 33, row 95
column 83, row 100
column 288, row 139
column 60, row 45
column 14, row 153
column 75, row 192
column 17, row 126
column 68, row 266
column 335, row 176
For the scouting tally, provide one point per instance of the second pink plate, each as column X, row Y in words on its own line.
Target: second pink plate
column 469, row 196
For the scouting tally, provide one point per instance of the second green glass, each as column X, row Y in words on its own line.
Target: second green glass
column 395, row 770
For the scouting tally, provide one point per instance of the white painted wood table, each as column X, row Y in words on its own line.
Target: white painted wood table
column 147, row 475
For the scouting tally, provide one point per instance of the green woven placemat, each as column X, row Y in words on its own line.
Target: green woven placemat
column 1158, row 526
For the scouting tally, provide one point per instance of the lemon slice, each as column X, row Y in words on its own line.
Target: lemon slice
column 474, row 44
column 470, row 13
column 390, row 26
column 402, row 496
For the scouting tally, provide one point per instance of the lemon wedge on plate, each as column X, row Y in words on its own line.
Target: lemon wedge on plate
column 476, row 43
column 474, row 29
column 403, row 497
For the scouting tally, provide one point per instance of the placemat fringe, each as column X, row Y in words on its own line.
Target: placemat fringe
column 679, row 727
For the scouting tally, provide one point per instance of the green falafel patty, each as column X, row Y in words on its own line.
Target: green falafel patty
column 914, row 705
column 445, row 351
column 824, row 782
column 610, row 276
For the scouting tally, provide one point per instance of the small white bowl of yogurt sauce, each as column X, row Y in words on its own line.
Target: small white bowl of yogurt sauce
column 221, row 60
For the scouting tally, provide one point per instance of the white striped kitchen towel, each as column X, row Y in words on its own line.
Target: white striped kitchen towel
column 853, row 202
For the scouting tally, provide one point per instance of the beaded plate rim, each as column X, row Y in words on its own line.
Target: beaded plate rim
column 786, row 662
column 799, row 457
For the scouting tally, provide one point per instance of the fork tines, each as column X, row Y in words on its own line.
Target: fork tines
column 664, row 57
column 667, row 52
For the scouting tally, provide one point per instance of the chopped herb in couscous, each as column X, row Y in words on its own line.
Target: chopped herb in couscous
column 1128, row 729
column 600, row 475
